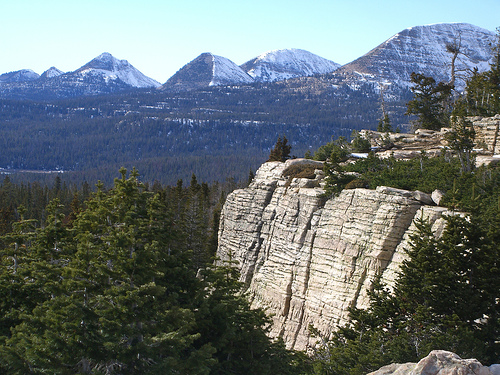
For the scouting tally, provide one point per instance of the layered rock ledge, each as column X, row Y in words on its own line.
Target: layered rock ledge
column 306, row 259
column 439, row 362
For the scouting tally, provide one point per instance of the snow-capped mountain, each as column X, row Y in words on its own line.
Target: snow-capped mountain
column 110, row 68
column 283, row 64
column 422, row 49
column 51, row 73
column 24, row 75
column 207, row 70
column 226, row 72
column 103, row 75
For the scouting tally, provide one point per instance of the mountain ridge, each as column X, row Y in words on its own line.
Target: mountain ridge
column 417, row 48
column 422, row 49
column 204, row 71
column 278, row 65
column 104, row 74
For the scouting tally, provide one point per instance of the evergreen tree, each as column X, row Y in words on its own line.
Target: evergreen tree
column 461, row 138
column 446, row 297
column 358, row 143
column 335, row 177
column 430, row 102
column 281, row 150
column 384, row 124
column 112, row 293
column 483, row 89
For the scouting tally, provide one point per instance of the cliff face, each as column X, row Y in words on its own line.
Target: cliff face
column 440, row 362
column 306, row 259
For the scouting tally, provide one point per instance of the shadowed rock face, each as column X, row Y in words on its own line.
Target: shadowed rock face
column 417, row 47
column 307, row 259
column 439, row 362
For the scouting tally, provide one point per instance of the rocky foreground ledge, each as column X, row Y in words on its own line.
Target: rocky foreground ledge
column 440, row 362
column 307, row 259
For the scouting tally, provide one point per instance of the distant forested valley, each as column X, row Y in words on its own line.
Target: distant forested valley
column 218, row 133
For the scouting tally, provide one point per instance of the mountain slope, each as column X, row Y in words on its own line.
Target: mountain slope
column 422, row 49
column 283, row 64
column 207, row 70
column 23, row 75
column 51, row 73
column 110, row 68
column 103, row 75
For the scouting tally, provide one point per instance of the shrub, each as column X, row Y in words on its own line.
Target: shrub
column 300, row 171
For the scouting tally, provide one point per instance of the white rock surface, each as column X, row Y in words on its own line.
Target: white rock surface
column 307, row 259
column 439, row 362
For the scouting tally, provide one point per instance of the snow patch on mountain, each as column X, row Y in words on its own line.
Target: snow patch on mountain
column 23, row 75
column 111, row 68
column 226, row 72
column 282, row 64
column 422, row 49
column 51, row 73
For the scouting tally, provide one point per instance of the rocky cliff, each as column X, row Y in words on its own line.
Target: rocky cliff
column 307, row 259
column 440, row 362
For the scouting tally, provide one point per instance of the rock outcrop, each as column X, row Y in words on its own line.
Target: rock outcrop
column 439, row 362
column 410, row 145
column 487, row 129
column 307, row 259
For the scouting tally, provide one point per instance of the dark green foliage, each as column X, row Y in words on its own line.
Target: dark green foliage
column 335, row 174
column 117, row 291
column 281, row 150
column 483, row 89
column 214, row 133
column 358, row 143
column 430, row 103
column 384, row 124
column 461, row 140
column 446, row 297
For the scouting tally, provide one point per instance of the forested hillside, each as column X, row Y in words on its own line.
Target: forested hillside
column 216, row 133
column 122, row 284
column 120, row 278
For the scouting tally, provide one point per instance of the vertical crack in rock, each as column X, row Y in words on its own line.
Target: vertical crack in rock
column 300, row 324
column 395, row 234
column 306, row 259
column 361, row 283
column 288, row 298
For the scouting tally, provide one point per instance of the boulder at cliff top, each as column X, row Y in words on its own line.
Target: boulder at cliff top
column 439, row 362
column 306, row 259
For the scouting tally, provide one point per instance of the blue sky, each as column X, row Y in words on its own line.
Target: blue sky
column 159, row 36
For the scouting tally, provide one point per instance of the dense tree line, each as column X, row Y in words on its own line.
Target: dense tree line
column 124, row 285
column 153, row 131
column 447, row 293
column 119, row 279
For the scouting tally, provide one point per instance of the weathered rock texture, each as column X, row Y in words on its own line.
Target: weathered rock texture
column 407, row 146
column 487, row 133
column 439, row 362
column 307, row 259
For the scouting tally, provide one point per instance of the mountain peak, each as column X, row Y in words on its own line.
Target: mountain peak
column 207, row 70
column 23, row 75
column 282, row 64
column 110, row 69
column 51, row 73
column 106, row 61
column 422, row 49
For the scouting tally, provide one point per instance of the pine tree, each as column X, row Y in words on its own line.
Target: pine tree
column 335, row 177
column 446, row 297
column 430, row 102
column 120, row 307
column 113, row 293
column 281, row 150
